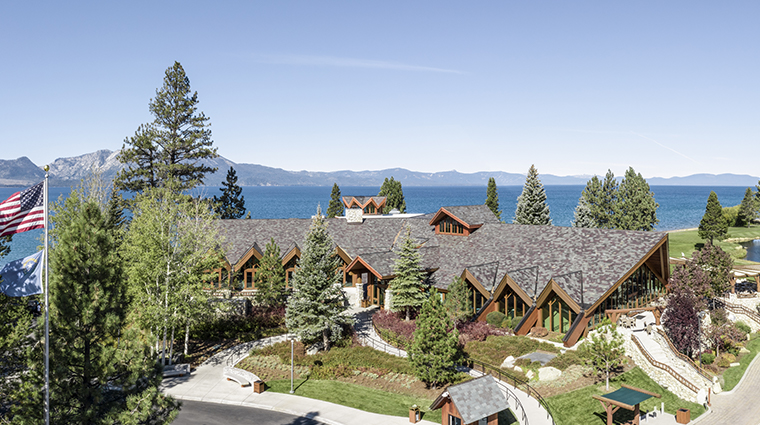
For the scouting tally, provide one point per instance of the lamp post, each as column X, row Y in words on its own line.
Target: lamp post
column 292, row 338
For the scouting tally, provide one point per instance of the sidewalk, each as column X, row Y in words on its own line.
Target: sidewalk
column 207, row 384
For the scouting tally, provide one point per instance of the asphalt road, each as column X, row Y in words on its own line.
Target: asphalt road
column 199, row 413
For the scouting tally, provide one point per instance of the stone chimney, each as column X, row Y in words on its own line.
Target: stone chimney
column 354, row 216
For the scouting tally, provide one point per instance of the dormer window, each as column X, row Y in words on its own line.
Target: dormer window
column 369, row 209
column 450, row 226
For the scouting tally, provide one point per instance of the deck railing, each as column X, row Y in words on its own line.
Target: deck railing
column 663, row 366
column 683, row 357
column 738, row 309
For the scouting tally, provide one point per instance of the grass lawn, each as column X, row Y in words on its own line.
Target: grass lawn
column 357, row 396
column 688, row 241
column 577, row 407
column 733, row 375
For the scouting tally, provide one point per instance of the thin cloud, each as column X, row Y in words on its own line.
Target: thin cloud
column 332, row 61
column 666, row 147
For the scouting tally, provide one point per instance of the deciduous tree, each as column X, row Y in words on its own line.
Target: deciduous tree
column 717, row 264
column 174, row 145
column 681, row 322
column 269, row 280
column 407, row 286
column 713, row 225
column 531, row 204
column 315, row 310
column 335, row 209
column 394, row 195
column 492, row 198
column 232, row 203
column 435, row 348
column 604, row 350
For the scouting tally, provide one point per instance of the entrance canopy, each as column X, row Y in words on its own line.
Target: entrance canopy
column 627, row 397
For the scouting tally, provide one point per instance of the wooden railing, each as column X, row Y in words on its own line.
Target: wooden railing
column 738, row 309
column 685, row 358
column 516, row 382
column 663, row 366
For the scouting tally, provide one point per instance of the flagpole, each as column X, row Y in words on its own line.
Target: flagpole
column 47, row 292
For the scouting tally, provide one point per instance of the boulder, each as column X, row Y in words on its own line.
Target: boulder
column 517, row 369
column 548, row 373
column 539, row 332
column 508, row 362
column 529, row 374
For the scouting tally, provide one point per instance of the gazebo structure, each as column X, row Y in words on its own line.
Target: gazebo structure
column 627, row 397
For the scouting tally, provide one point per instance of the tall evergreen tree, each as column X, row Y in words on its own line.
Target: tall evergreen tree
column 637, row 209
column 582, row 216
column 335, row 209
column 232, row 203
column 459, row 301
column 315, row 310
column 407, row 286
column 101, row 368
column 492, row 198
column 394, row 194
column 747, row 211
column 713, row 225
column 269, row 280
column 174, row 145
column 531, row 204
column 717, row 264
column 606, row 208
column 435, row 349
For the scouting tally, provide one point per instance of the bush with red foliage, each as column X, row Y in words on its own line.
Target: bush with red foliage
column 393, row 329
column 681, row 322
column 477, row 331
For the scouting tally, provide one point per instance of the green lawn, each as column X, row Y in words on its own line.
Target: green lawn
column 733, row 375
column 577, row 407
column 357, row 396
column 688, row 241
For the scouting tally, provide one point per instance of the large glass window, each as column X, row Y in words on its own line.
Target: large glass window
column 449, row 225
column 557, row 315
column 639, row 290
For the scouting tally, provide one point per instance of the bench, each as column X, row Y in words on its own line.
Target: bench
column 242, row 377
column 176, row 370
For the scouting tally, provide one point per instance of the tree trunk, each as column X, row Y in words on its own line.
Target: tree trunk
column 407, row 313
column 326, row 339
column 163, row 349
column 187, row 336
column 171, row 347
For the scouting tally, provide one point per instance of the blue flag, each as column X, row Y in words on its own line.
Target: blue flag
column 23, row 277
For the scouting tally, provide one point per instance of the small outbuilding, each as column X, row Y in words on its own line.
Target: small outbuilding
column 475, row 402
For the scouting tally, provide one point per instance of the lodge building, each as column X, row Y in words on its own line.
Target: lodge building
column 560, row 278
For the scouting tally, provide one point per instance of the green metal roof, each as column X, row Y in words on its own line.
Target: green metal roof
column 627, row 396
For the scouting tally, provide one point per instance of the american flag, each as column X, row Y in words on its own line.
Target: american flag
column 22, row 211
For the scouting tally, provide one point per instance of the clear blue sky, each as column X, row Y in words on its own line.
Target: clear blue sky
column 670, row 88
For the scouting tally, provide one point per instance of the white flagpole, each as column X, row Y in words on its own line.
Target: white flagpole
column 47, row 292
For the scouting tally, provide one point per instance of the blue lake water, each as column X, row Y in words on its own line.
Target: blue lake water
column 680, row 206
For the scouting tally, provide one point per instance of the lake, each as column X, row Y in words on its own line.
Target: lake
column 680, row 206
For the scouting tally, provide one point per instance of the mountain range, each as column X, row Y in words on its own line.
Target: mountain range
column 67, row 171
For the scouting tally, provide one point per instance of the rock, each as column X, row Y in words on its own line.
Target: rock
column 529, row 374
column 539, row 332
column 548, row 373
column 508, row 362
column 734, row 364
column 517, row 369
column 744, row 349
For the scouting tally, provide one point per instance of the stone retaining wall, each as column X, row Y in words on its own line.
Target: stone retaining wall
column 658, row 375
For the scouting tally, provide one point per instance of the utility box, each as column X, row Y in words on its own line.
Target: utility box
column 683, row 416
column 259, row 387
column 414, row 414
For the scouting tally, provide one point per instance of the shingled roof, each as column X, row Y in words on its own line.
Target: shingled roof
column 475, row 399
column 530, row 255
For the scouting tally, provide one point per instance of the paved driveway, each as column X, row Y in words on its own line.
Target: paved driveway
column 740, row 406
column 201, row 413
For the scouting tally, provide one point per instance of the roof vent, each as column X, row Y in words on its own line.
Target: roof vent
column 354, row 216
column 394, row 211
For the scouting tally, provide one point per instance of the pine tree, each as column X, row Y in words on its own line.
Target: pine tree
column 335, row 209
column 315, row 310
column 531, row 204
column 394, row 195
column 435, row 349
column 492, row 198
column 269, row 280
column 582, row 215
column 459, row 301
column 747, row 209
column 232, row 203
column 606, row 208
column 636, row 209
column 713, row 224
column 173, row 146
column 101, row 368
column 407, row 286
column 717, row 264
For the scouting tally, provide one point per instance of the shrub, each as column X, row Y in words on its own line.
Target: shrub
column 708, row 358
column 496, row 348
column 506, row 323
column 744, row 328
column 495, row 318
column 476, row 331
column 725, row 360
column 393, row 329
column 563, row 361
column 261, row 322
